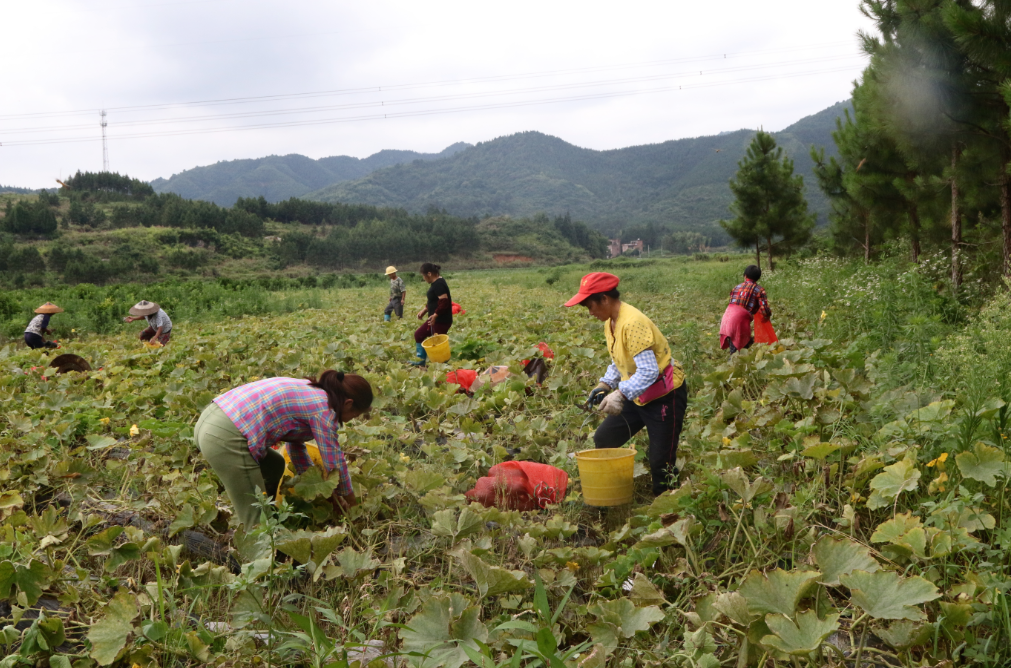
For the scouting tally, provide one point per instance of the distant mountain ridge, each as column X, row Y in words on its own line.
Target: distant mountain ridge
column 279, row 177
column 680, row 183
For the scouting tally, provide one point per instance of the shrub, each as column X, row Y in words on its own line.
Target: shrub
column 186, row 258
column 34, row 218
column 86, row 269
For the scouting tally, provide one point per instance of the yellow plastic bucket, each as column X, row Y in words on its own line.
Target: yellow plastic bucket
column 437, row 347
column 606, row 475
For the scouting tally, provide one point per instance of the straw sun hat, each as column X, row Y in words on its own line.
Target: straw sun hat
column 144, row 307
column 391, row 270
column 48, row 309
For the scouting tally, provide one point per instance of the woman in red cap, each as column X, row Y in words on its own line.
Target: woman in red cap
column 643, row 386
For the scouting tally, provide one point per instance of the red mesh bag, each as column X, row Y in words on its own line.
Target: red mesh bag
column 462, row 377
column 458, row 309
column 520, row 486
column 549, row 354
column 764, row 333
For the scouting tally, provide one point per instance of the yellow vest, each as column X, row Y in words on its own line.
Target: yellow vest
column 634, row 333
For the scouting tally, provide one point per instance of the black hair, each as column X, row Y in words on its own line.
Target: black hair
column 429, row 268
column 597, row 297
column 752, row 272
column 340, row 386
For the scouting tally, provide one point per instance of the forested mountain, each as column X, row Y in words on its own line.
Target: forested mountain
column 279, row 177
column 681, row 184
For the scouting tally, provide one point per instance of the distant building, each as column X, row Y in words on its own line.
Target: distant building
column 633, row 246
column 615, row 247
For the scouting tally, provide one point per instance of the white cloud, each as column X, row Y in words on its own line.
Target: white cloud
column 66, row 56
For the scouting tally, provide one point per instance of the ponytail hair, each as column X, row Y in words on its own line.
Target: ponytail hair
column 429, row 268
column 340, row 386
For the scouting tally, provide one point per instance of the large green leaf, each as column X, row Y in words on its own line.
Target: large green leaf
column 778, row 591
column 108, row 635
column 491, row 580
column 902, row 476
column 446, row 523
column 800, row 637
column 735, row 607
column 982, row 463
column 620, row 619
column 904, row 634
column 439, row 632
column 839, row 557
column 738, row 481
column 30, row 580
column 354, row 562
column 312, row 547
column 311, row 484
column 887, row 595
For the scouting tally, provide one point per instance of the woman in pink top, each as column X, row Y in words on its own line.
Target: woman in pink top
column 238, row 430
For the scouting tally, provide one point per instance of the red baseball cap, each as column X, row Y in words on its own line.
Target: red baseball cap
column 598, row 281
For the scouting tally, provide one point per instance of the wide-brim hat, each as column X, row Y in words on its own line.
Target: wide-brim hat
column 391, row 270
column 48, row 309
column 598, row 281
column 144, row 307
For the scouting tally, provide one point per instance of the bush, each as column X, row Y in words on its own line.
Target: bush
column 26, row 259
column 9, row 307
column 34, row 218
column 186, row 258
column 85, row 213
column 86, row 269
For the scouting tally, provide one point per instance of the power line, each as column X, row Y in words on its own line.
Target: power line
column 405, row 86
column 429, row 112
column 421, row 100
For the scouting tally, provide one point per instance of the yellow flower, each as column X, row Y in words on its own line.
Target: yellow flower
column 404, row 458
column 726, row 441
column 572, row 566
column 937, row 484
column 104, row 420
column 939, row 461
column 823, row 316
column 134, row 431
column 73, row 331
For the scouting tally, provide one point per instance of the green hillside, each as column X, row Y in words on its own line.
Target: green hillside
column 279, row 177
column 680, row 184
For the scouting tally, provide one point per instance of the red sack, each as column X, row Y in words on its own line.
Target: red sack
column 458, row 309
column 462, row 377
column 764, row 333
column 520, row 486
column 549, row 354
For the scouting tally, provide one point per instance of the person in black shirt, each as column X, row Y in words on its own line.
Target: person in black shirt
column 439, row 310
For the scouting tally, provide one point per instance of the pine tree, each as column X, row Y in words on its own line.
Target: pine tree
column 769, row 204
column 923, row 87
column 983, row 33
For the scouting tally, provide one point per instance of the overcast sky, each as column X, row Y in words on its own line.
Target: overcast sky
column 343, row 78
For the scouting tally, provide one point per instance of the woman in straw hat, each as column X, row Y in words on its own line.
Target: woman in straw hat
column 39, row 325
column 159, row 326
column 398, row 294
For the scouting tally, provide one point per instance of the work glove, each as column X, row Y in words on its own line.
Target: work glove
column 597, row 394
column 612, row 403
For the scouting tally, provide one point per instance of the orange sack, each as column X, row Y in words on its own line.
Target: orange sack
column 764, row 333
column 520, row 486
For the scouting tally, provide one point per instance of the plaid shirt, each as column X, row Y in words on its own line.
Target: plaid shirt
column 752, row 297
column 273, row 410
column 646, row 373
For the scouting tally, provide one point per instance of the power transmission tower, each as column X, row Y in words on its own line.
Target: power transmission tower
column 105, row 148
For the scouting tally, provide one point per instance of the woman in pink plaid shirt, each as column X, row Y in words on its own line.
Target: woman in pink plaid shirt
column 238, row 430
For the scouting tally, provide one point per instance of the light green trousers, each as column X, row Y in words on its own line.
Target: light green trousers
column 227, row 451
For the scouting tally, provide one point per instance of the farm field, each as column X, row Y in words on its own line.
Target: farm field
column 842, row 499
